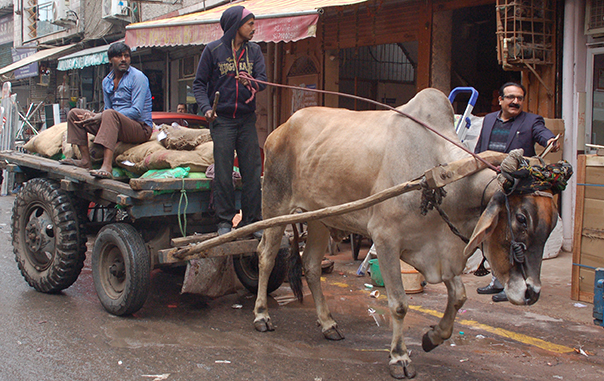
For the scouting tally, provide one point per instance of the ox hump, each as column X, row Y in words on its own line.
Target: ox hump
column 432, row 107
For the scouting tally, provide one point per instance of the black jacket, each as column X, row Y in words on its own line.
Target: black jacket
column 216, row 71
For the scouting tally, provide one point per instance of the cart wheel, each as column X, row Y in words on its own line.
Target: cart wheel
column 246, row 268
column 48, row 239
column 121, row 269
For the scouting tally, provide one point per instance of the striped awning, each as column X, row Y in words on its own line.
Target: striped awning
column 84, row 58
column 276, row 21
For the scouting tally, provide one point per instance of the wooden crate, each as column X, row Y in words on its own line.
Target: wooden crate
column 589, row 226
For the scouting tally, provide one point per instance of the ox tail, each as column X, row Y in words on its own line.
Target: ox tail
column 295, row 266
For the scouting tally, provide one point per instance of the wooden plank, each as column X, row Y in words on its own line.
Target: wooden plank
column 424, row 59
column 587, row 297
column 447, row 5
column 594, row 161
column 170, row 184
column 230, row 248
column 59, row 171
column 445, row 174
column 349, row 27
column 574, row 288
column 184, row 241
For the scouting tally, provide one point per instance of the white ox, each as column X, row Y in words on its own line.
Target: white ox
column 323, row 157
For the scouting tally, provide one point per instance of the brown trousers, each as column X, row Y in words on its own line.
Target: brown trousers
column 114, row 127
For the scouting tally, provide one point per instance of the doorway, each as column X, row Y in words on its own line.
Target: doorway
column 594, row 118
column 474, row 58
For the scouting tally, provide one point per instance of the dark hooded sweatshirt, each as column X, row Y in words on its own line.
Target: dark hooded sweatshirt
column 216, row 71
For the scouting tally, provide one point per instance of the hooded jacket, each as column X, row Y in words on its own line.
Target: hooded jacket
column 216, row 70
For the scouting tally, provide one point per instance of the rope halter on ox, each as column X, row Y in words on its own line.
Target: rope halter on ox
column 518, row 176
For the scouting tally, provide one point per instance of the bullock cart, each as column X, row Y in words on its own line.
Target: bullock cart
column 137, row 227
column 133, row 222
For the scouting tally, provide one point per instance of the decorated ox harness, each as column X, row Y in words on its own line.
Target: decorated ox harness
column 516, row 176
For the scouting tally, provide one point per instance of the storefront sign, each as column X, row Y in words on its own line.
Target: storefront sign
column 30, row 70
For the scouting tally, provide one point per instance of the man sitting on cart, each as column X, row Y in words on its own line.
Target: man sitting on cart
column 126, row 117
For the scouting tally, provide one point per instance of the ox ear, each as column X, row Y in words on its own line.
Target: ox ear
column 486, row 224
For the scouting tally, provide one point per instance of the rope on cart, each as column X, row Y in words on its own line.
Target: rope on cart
column 182, row 220
column 459, row 145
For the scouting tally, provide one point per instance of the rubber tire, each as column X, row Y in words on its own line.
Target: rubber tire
column 122, row 245
column 246, row 268
column 42, row 202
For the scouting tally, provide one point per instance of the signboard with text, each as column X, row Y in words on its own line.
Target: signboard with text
column 30, row 70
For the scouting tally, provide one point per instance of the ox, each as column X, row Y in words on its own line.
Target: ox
column 323, row 157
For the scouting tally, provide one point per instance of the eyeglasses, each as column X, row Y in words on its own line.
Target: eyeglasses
column 512, row 97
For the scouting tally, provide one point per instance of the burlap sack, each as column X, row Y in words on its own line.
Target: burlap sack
column 198, row 159
column 212, row 277
column 71, row 151
column 48, row 142
column 133, row 159
column 183, row 138
column 96, row 150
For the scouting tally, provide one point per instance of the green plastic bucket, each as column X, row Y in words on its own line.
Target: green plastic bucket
column 376, row 275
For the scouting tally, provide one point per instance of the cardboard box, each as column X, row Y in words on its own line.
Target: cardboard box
column 556, row 126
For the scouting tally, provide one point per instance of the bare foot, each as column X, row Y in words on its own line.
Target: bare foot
column 76, row 163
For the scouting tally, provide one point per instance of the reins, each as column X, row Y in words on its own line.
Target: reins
column 431, row 198
column 461, row 146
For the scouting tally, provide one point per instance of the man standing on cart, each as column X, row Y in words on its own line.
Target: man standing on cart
column 506, row 130
column 233, row 118
column 126, row 118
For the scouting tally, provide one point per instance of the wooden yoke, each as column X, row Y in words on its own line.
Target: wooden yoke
column 434, row 178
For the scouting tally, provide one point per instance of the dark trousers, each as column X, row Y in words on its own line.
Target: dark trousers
column 229, row 136
column 114, row 127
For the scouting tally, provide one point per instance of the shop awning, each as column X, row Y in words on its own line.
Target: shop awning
column 84, row 58
column 39, row 56
column 276, row 20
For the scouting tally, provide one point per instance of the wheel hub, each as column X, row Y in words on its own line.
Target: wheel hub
column 38, row 232
column 33, row 238
column 117, row 269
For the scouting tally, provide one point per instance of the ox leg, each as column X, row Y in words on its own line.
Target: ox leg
column 390, row 268
column 455, row 300
column 267, row 252
column 316, row 245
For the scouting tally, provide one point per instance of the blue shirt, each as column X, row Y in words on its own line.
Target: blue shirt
column 132, row 98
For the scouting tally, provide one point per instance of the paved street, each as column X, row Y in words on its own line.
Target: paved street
column 69, row 336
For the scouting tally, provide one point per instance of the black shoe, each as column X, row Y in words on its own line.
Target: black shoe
column 490, row 289
column 500, row 297
column 258, row 234
column 222, row 230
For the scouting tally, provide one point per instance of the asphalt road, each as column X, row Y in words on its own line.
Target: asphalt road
column 69, row 336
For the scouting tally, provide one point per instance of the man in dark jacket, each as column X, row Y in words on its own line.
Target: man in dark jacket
column 233, row 125
column 506, row 130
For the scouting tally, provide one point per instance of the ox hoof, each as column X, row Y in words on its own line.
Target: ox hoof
column 427, row 344
column 400, row 370
column 333, row 333
column 263, row 325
